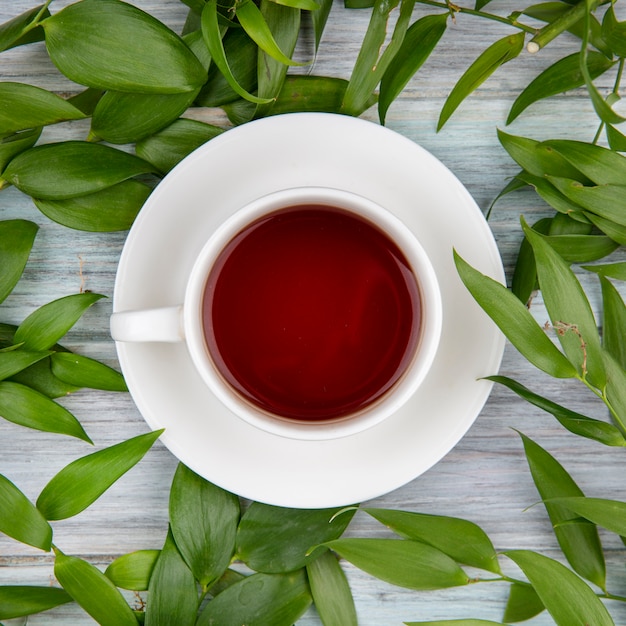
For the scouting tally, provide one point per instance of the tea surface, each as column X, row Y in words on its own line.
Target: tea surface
column 311, row 313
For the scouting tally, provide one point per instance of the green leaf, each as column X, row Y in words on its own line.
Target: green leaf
column 581, row 248
column 273, row 539
column 213, row 39
column 576, row 423
column 614, row 32
column 276, row 599
column 331, row 592
column 81, row 371
column 171, row 145
column 319, row 18
column 83, row 481
column 569, row 310
column 68, row 169
column 93, row 591
column 522, row 604
column 616, row 232
column 615, row 390
column 12, row 145
column 22, row 600
column 610, row 270
column 133, row 570
column 87, row 100
column 228, row 578
column 562, row 76
column 524, row 281
column 253, row 22
column 172, row 592
column 553, row 196
column 457, row 622
column 39, row 378
column 610, row 514
column 461, row 540
column 616, row 139
column 50, row 322
column 128, row 117
column 515, row 321
column 20, row 520
column 113, row 45
column 15, row 361
column 20, row 30
column 479, row 71
column 420, row 40
column 613, row 321
column 203, row 520
column 571, row 602
column 16, row 241
column 305, row 5
column 30, row 408
column 371, row 65
column 580, row 542
column 112, row 209
column 25, row 106
column 402, row 562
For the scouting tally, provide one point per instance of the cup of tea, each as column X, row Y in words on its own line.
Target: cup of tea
column 311, row 313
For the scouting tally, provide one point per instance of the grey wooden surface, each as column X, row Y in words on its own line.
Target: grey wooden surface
column 484, row 479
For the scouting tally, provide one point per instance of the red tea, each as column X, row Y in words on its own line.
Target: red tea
column 311, row 313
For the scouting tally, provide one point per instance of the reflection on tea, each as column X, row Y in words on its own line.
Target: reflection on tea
column 311, row 313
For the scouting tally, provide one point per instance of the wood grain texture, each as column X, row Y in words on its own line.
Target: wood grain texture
column 484, row 479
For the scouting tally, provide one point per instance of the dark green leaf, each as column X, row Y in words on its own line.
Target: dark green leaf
column 515, row 321
column 17, row 238
column 20, row 520
column 133, row 570
column 168, row 147
column 563, row 75
column 21, row 600
column 524, row 281
column 274, row 539
column 553, row 196
column 129, row 117
column 81, row 371
column 614, row 32
column 14, row 361
column 68, row 169
column 107, row 210
column 420, row 40
column 461, row 540
column 617, row 139
column 20, row 30
column 14, row 144
column 580, row 542
column 616, row 232
column 613, row 322
column 402, row 562
column 615, row 390
column 87, row 100
column 610, row 514
column 93, row 591
column 610, row 270
column 25, row 406
column 228, row 578
column 25, row 106
column 47, row 324
column 276, row 599
column 479, row 71
column 109, row 44
column 203, row 520
column 569, row 310
column 83, row 481
column 371, row 65
column 576, row 423
column 562, row 224
column 211, row 32
column 320, row 17
column 571, row 602
column 39, row 378
column 582, row 248
column 523, row 603
column 172, row 592
column 331, row 592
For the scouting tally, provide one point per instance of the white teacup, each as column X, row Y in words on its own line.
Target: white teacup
column 196, row 321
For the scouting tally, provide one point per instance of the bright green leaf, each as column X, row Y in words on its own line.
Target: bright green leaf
column 613, row 321
column 30, row 408
column 402, row 562
column 571, row 602
column 457, row 622
column 273, row 539
column 614, row 32
column 93, row 591
column 580, row 542
column 22, row 600
column 21, row 30
column 203, row 520
column 479, row 71
column 39, row 377
column 46, row 325
column 616, row 232
column 16, row 240
column 133, row 570
column 81, row 371
column 522, row 604
column 553, row 196
column 276, row 599
column 617, row 139
column 581, row 248
column 108, row 44
column 83, row 481
column 610, row 270
column 12, row 145
column 610, row 514
column 20, row 520
column 461, row 540
column 615, row 389
column 319, row 18
column 331, row 592
column 15, row 361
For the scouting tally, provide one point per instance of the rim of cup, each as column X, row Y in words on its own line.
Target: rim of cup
column 392, row 399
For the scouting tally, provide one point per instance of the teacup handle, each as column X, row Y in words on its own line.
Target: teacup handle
column 147, row 325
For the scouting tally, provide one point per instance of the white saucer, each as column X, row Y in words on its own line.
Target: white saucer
column 308, row 149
